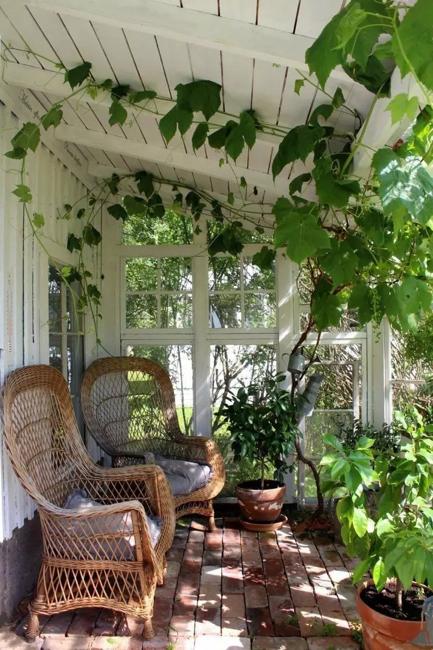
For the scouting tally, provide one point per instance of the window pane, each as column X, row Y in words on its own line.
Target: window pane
column 173, row 228
column 255, row 278
column 233, row 366
column 141, row 311
column 176, row 273
column 260, row 310
column 55, row 351
column 141, row 274
column 339, row 400
column 176, row 310
column 224, row 273
column 225, row 310
column 54, row 300
column 177, row 360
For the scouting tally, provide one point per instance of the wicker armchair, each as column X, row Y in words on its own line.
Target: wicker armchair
column 101, row 556
column 129, row 407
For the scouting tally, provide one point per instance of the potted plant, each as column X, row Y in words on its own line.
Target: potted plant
column 393, row 538
column 261, row 420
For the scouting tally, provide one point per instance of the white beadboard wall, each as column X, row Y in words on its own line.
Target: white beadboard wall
column 56, row 177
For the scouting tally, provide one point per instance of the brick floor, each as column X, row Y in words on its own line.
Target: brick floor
column 227, row 590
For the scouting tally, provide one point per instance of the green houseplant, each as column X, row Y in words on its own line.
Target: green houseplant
column 260, row 418
column 393, row 538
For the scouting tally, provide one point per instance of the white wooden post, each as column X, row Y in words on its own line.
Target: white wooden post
column 380, row 387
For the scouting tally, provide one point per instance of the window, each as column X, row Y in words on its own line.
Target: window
column 158, row 293
column 240, row 294
column 66, row 336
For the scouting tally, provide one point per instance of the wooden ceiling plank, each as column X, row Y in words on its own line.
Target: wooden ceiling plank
column 83, row 36
column 56, row 34
column 268, row 87
column 278, row 14
column 146, row 57
column 314, row 15
column 200, row 28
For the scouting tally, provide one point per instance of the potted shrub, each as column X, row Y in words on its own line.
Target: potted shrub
column 261, row 420
column 393, row 539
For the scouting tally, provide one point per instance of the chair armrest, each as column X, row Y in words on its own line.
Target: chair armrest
column 145, row 483
column 204, row 450
column 114, row 533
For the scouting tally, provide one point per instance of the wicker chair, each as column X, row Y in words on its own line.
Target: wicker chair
column 129, row 407
column 101, row 556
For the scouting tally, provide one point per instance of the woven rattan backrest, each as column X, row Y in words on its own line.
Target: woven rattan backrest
column 41, row 434
column 128, row 400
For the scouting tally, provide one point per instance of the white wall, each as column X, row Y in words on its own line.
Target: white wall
column 55, row 178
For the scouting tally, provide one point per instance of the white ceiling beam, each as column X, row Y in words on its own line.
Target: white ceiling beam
column 189, row 26
column 172, row 158
column 379, row 130
column 106, row 171
column 44, row 81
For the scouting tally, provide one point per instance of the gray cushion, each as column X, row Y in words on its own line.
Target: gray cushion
column 112, row 524
column 184, row 476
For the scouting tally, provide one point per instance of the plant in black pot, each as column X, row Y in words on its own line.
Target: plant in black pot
column 261, row 420
column 393, row 539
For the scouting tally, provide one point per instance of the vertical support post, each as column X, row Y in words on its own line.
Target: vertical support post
column 286, row 289
column 201, row 365
column 380, row 387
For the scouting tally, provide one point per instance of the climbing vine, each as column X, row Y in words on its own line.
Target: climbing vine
column 367, row 242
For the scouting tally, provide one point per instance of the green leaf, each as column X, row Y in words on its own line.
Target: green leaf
column 338, row 100
column 175, row 118
column 202, row 95
column 359, row 521
column 413, row 42
column 234, row 143
column 200, row 134
column 38, row 220
column 326, row 307
column 144, row 182
column 297, row 183
column 402, row 106
column 374, row 76
column 28, row 137
column 360, row 570
column 23, row 193
column 298, row 229
column 379, row 574
column 361, row 299
column 264, row 258
column 297, row 144
column 53, row 117
column 118, row 113
column 138, row 96
column 119, row 91
column 405, row 187
column 248, row 128
column 341, row 262
column 76, row 76
column 74, row 243
column 118, row 212
column 299, row 84
column 323, row 110
column 91, row 236
column 405, row 570
column 330, row 189
column 217, row 139
column 16, row 154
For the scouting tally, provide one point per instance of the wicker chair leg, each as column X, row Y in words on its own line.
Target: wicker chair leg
column 212, row 524
column 148, row 632
column 32, row 626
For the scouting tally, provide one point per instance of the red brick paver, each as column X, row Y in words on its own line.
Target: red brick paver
column 227, row 590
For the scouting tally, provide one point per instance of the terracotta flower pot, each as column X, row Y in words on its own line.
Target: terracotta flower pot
column 262, row 506
column 382, row 632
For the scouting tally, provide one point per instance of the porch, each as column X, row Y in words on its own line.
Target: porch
column 227, row 590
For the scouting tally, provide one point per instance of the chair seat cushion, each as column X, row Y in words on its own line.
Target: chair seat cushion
column 184, row 476
column 117, row 524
